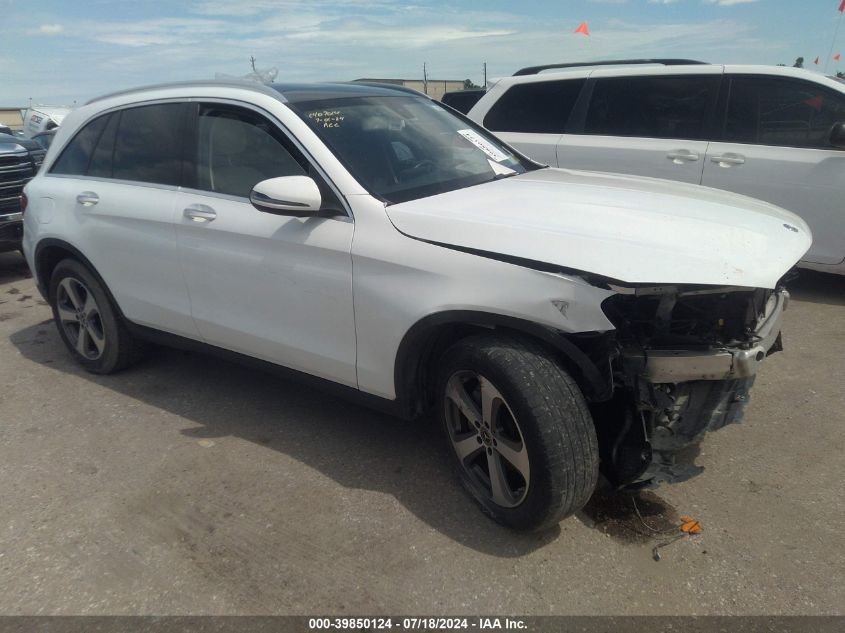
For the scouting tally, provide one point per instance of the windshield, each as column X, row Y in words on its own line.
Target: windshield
column 403, row 148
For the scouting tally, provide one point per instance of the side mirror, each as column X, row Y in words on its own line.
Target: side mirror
column 837, row 135
column 287, row 195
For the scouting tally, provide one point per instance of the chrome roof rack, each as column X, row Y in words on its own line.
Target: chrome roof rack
column 533, row 70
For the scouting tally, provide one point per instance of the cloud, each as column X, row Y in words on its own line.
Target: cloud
column 319, row 40
column 49, row 29
column 662, row 1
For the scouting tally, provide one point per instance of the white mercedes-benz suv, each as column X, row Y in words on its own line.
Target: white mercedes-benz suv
column 557, row 323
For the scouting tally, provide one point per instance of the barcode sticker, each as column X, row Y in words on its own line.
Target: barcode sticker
column 476, row 139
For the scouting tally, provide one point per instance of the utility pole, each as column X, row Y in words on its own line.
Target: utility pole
column 484, row 85
column 425, row 80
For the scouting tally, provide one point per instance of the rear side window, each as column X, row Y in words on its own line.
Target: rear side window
column 652, row 107
column 76, row 157
column 542, row 107
column 148, row 144
column 237, row 148
column 788, row 112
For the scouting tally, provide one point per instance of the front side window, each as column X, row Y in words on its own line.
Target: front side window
column 775, row 111
column 542, row 107
column 238, row 148
column 403, row 147
column 148, row 144
column 652, row 107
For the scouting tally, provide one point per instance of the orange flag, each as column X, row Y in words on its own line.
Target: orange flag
column 583, row 29
column 816, row 62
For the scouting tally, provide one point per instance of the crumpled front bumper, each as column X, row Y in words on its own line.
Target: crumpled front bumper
column 680, row 395
column 674, row 366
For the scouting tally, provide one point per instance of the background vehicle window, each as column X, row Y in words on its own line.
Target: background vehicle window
column 652, row 107
column 236, row 149
column 781, row 112
column 535, row 107
column 76, row 156
column 148, row 147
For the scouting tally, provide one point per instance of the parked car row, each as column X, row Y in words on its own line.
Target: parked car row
column 556, row 323
column 773, row 133
column 20, row 159
column 21, row 155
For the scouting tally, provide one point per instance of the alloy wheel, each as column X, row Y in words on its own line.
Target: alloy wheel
column 80, row 318
column 486, row 438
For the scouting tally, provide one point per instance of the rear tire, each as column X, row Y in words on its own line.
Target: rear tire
column 508, row 408
column 88, row 321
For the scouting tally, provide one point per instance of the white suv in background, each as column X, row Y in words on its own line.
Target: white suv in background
column 369, row 239
column 769, row 132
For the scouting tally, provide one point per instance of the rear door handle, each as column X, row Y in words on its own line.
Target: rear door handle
column 728, row 160
column 87, row 198
column 682, row 156
column 200, row 213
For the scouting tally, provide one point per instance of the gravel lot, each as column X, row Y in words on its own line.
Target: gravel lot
column 189, row 485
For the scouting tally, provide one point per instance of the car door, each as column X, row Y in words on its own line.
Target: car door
column 532, row 116
column 119, row 176
column 646, row 125
column 774, row 144
column 271, row 286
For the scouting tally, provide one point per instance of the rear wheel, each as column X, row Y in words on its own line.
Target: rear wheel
column 87, row 320
column 520, row 430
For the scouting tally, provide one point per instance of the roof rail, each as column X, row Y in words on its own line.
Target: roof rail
column 199, row 83
column 533, row 70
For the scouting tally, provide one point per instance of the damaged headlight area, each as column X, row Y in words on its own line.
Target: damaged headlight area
column 686, row 359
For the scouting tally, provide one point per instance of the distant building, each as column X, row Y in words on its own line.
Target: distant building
column 433, row 87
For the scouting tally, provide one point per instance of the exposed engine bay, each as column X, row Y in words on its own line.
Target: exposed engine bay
column 686, row 358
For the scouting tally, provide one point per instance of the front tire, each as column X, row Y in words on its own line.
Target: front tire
column 87, row 320
column 519, row 428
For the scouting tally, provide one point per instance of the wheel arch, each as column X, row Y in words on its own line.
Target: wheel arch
column 432, row 335
column 49, row 252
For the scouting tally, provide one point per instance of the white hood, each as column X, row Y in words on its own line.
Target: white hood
column 636, row 230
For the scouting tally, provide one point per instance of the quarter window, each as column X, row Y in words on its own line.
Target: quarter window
column 76, row 156
column 772, row 111
column 652, row 107
column 236, row 149
column 542, row 107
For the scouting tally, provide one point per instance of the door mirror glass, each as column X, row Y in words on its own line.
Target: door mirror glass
column 287, row 195
column 837, row 135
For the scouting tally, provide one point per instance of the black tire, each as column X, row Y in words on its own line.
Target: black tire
column 118, row 349
column 553, row 428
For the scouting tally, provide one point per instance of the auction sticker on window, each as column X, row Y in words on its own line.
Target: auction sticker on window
column 476, row 139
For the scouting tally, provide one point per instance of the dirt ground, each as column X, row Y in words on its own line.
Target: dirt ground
column 189, row 485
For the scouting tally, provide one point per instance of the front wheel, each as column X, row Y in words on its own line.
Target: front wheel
column 520, row 430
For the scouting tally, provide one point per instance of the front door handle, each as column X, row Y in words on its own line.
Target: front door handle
column 683, row 156
column 728, row 160
column 200, row 213
column 87, row 198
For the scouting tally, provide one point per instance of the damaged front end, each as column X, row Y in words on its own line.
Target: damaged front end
column 686, row 359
